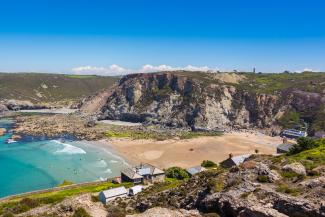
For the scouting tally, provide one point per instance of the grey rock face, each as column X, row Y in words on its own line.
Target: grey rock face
column 296, row 168
column 180, row 101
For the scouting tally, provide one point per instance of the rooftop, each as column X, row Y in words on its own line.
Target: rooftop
column 114, row 192
column 195, row 170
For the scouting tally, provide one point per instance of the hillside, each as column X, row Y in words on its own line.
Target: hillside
column 262, row 186
column 209, row 101
column 50, row 88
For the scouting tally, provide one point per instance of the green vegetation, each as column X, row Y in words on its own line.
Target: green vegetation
column 284, row 188
column 177, row 173
column 309, row 158
column 303, row 144
column 275, row 82
column 290, row 119
column 263, row 179
column 209, row 164
column 81, row 212
column 291, row 175
column 137, row 134
column 169, row 183
column 50, row 88
column 196, row 134
column 23, row 204
column 65, row 183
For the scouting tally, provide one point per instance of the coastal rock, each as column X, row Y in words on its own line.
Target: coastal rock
column 314, row 183
column 296, row 168
column 3, row 108
column 16, row 137
column 263, row 169
column 164, row 212
column 14, row 104
column 2, row 131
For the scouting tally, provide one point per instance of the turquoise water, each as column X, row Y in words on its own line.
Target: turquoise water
column 38, row 163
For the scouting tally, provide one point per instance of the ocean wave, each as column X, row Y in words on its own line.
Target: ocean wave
column 69, row 149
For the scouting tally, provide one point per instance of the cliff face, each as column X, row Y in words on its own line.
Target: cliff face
column 201, row 103
column 181, row 101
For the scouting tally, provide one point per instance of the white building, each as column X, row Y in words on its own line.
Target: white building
column 111, row 194
column 135, row 190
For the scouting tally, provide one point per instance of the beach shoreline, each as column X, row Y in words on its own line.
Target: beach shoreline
column 190, row 152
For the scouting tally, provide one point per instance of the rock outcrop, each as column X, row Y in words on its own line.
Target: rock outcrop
column 14, row 105
column 201, row 102
column 179, row 101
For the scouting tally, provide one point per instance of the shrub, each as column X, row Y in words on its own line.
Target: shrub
column 177, row 172
column 80, row 212
column 208, row 164
column 284, row 188
column 65, row 183
column 114, row 211
column 303, row 144
column 8, row 214
column 263, row 179
column 31, row 203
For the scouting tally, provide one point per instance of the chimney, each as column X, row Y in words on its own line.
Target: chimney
column 230, row 155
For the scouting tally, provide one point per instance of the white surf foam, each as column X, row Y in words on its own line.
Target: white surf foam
column 113, row 161
column 101, row 163
column 69, row 149
column 108, row 171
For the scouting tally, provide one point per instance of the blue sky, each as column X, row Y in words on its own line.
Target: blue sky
column 109, row 36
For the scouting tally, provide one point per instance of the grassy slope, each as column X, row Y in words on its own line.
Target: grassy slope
column 52, row 87
column 274, row 83
column 16, row 206
column 310, row 158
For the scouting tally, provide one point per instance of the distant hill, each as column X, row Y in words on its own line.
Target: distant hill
column 51, row 88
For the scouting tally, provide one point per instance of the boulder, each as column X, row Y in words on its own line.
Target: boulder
column 3, row 108
column 2, row 131
column 15, row 137
column 296, row 168
column 18, row 104
column 263, row 169
column 314, row 183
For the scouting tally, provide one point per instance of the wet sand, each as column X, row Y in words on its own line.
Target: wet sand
column 191, row 152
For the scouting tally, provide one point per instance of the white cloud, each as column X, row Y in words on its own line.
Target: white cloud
column 118, row 70
column 307, row 70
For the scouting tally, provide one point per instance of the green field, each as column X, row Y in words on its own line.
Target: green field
column 50, row 88
column 21, row 204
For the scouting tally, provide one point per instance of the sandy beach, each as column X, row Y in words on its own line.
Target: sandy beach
column 187, row 153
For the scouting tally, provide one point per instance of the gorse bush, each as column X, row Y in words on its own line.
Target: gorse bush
column 80, row 212
column 208, row 164
column 177, row 173
column 303, row 144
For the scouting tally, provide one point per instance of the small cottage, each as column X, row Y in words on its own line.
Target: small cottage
column 194, row 170
column 142, row 173
column 234, row 160
column 111, row 194
column 283, row 148
column 135, row 190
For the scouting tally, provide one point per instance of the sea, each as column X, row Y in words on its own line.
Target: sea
column 34, row 163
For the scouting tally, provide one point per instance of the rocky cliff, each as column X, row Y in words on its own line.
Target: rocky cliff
column 202, row 101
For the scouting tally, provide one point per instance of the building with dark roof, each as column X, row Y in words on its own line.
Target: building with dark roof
column 283, row 148
column 194, row 170
column 234, row 161
column 142, row 173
